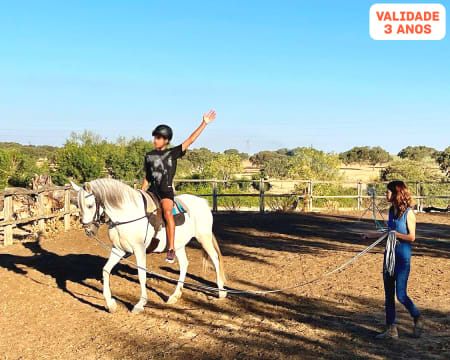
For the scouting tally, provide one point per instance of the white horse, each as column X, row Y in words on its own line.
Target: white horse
column 123, row 204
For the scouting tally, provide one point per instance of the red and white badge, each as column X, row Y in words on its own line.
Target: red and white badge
column 407, row 21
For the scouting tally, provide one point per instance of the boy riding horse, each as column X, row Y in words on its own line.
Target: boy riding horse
column 160, row 166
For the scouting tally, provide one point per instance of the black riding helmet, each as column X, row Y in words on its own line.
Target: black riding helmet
column 164, row 131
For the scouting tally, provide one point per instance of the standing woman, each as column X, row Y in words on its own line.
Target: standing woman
column 402, row 222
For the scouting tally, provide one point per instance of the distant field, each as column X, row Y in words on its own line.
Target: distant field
column 364, row 173
column 351, row 172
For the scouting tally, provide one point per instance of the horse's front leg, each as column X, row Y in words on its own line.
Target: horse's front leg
column 141, row 262
column 183, row 262
column 114, row 258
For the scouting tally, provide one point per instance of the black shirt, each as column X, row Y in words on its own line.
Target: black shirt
column 160, row 167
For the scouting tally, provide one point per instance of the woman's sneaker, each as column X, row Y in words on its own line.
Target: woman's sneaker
column 170, row 256
column 418, row 326
column 390, row 333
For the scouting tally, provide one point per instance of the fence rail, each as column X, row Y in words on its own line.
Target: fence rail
column 417, row 191
column 9, row 222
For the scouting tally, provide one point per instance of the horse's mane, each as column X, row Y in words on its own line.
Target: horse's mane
column 113, row 192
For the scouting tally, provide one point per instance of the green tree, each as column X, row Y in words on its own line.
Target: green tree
column 277, row 167
column 443, row 159
column 231, row 152
column 365, row 154
column 358, row 154
column 263, row 157
column 125, row 159
column 17, row 168
column 222, row 167
column 243, row 156
column 5, row 168
column 199, row 158
column 377, row 155
column 408, row 170
column 418, row 153
column 80, row 162
column 309, row 163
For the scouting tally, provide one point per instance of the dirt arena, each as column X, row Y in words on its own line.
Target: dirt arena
column 52, row 307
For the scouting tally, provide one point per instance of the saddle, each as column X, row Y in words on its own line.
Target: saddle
column 156, row 218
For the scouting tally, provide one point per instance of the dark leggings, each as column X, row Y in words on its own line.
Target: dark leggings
column 398, row 283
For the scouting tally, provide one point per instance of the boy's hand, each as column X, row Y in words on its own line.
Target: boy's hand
column 208, row 117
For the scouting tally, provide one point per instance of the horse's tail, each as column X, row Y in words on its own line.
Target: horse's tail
column 207, row 263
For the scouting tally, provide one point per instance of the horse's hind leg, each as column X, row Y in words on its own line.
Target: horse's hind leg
column 114, row 258
column 211, row 247
column 183, row 262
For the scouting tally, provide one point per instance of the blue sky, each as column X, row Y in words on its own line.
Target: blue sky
column 278, row 73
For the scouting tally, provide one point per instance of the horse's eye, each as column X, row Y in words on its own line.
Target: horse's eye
column 90, row 206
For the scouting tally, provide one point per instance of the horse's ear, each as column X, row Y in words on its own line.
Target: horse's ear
column 88, row 187
column 75, row 186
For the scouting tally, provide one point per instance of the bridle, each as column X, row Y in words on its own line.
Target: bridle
column 91, row 228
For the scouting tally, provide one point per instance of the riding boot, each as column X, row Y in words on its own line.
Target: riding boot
column 390, row 333
column 418, row 326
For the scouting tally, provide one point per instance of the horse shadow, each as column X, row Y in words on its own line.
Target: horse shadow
column 76, row 268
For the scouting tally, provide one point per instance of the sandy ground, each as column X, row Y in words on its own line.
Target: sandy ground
column 51, row 303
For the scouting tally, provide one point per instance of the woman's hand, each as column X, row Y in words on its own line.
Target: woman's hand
column 208, row 117
column 370, row 235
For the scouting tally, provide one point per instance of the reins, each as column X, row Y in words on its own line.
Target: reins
column 251, row 292
column 97, row 222
column 97, row 219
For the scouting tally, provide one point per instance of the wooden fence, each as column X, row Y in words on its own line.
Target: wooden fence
column 417, row 192
column 8, row 223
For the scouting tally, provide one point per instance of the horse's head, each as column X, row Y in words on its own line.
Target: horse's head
column 90, row 208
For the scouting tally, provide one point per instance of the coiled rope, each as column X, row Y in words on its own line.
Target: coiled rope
column 389, row 263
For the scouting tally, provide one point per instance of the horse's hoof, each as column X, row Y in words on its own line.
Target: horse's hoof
column 173, row 299
column 222, row 294
column 137, row 310
column 112, row 307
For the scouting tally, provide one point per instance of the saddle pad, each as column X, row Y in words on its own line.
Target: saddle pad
column 177, row 208
column 178, row 218
column 150, row 199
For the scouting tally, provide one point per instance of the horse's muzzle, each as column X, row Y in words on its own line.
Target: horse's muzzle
column 91, row 229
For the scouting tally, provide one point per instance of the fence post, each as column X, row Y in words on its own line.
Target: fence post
column 214, row 195
column 310, row 194
column 8, row 214
column 41, row 222
column 417, row 194
column 359, row 195
column 261, row 195
column 422, row 199
column 66, row 210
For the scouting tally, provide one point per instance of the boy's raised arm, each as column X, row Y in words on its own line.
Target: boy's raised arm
column 207, row 118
